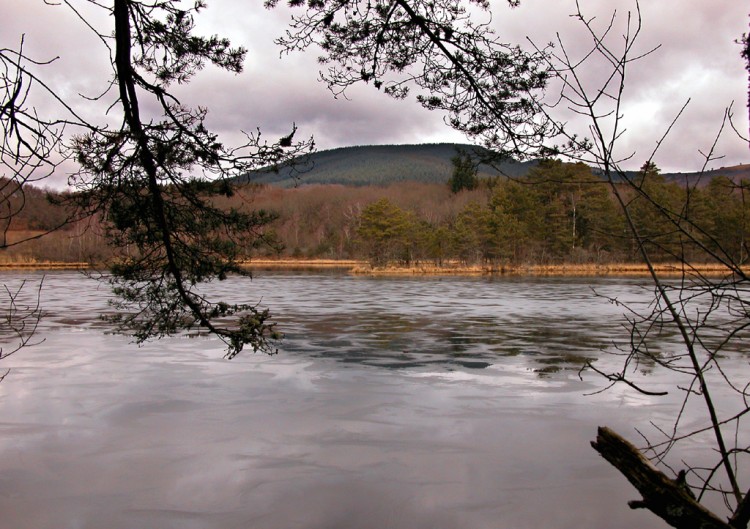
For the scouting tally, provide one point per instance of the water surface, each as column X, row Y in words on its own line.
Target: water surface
column 399, row 403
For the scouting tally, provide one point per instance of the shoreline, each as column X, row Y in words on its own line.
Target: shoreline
column 363, row 268
column 355, row 267
column 33, row 265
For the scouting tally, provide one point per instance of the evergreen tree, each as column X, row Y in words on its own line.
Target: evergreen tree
column 657, row 208
column 464, row 174
column 155, row 179
column 725, row 217
column 515, row 222
column 385, row 232
column 472, row 234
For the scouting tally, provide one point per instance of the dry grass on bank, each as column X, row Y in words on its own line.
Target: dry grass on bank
column 455, row 268
column 26, row 263
column 451, row 268
column 303, row 264
column 613, row 269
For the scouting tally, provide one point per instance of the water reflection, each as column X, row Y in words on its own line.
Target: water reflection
column 400, row 403
column 458, row 324
column 395, row 341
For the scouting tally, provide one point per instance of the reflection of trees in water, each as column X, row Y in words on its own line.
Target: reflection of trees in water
column 402, row 341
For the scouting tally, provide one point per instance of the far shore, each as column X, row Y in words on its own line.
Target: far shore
column 357, row 267
column 43, row 265
column 456, row 269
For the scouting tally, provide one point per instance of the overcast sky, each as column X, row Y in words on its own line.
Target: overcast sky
column 698, row 60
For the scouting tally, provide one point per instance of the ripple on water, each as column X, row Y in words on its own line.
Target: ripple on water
column 401, row 403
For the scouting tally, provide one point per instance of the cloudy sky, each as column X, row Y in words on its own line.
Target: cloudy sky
column 698, row 60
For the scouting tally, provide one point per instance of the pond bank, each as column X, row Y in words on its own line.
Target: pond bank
column 457, row 269
column 43, row 265
column 357, row 267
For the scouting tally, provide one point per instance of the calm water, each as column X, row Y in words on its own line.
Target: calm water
column 394, row 403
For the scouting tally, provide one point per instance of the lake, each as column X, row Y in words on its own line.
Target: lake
column 400, row 403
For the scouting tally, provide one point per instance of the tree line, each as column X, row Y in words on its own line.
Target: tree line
column 559, row 213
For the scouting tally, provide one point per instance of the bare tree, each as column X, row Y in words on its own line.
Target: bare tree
column 709, row 316
column 153, row 179
column 31, row 148
column 19, row 320
column 433, row 47
column 745, row 42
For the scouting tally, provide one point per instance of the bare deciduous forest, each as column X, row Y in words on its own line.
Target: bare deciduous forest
column 554, row 215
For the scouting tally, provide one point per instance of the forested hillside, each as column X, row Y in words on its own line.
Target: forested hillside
column 382, row 165
column 379, row 165
column 558, row 213
column 735, row 173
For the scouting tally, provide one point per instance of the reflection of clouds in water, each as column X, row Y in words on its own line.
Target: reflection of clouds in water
column 97, row 432
column 508, row 378
column 352, row 504
column 292, row 373
column 459, row 324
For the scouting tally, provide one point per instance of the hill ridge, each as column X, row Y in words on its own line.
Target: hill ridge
column 380, row 165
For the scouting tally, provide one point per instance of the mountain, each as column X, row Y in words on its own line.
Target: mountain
column 380, row 165
column 734, row 173
column 385, row 164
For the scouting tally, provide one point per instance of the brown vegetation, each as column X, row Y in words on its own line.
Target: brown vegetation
column 558, row 220
column 456, row 268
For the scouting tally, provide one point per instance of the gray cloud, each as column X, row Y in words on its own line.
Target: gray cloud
column 698, row 59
